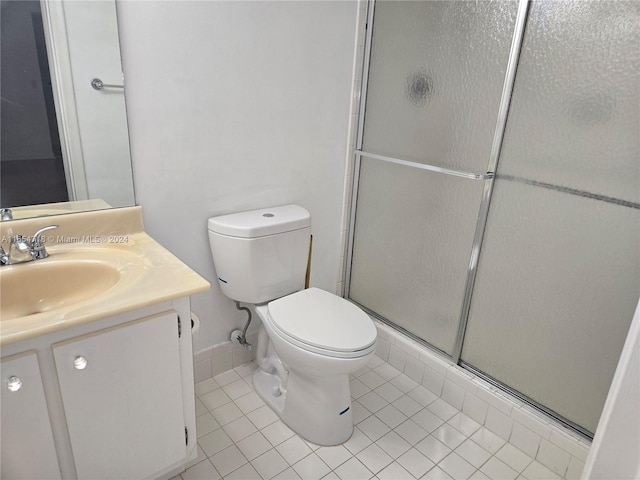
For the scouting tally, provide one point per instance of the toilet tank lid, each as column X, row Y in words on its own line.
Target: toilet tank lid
column 262, row 222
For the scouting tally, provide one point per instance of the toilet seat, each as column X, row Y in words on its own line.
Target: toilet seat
column 323, row 323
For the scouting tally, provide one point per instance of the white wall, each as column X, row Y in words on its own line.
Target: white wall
column 232, row 106
column 617, row 440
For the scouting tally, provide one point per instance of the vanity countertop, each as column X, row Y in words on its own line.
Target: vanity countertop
column 148, row 273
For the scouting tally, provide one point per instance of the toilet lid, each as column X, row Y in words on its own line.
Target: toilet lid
column 323, row 320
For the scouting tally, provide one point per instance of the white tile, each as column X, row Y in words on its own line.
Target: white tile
column 478, row 475
column 228, row 460
column 215, row 399
column 269, row 464
column 215, row 441
column 442, row 409
column 463, row 378
column 433, row 449
column 494, row 468
column 457, row 467
column 253, row 446
column 553, row 457
column 525, row 440
column 499, row 423
column 570, row 444
column 427, row 420
column 201, row 471
column 404, row 383
column 249, row 402
column 372, row 401
column 202, row 355
column 246, row 370
column 488, row 440
column 239, row 429
column 358, row 388
column 290, row 474
column 449, row 436
column 277, row 432
column 473, row 453
column 386, row 371
column 221, row 363
column 515, row 458
column 389, row 392
column 433, row 381
column 202, row 370
column 382, row 348
column 574, row 471
column 435, row 362
column 246, row 472
column 311, row 467
column 393, row 444
column 415, row 463
column 464, row 424
column 408, row 346
column 373, row 427
column 206, row 386
column 422, row 395
column 391, row 416
column 359, row 412
column 537, row 471
column 374, row 362
column 227, row 413
column 357, row 442
column 436, row 473
column 394, row 471
column 411, row 431
column 221, row 347
column 453, row 394
column 532, row 421
column 397, row 357
column 371, row 379
column 334, row 456
column 414, row 369
column 495, row 399
column 206, row 424
column 374, row 458
column 262, row 417
column 240, row 356
column 237, row 389
column 475, row 408
column 353, row 470
column 293, row 449
column 227, row 377
column 360, row 372
column 407, row 405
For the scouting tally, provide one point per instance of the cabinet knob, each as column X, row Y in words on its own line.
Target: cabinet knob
column 14, row 383
column 79, row 363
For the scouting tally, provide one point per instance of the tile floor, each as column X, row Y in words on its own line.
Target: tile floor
column 403, row 431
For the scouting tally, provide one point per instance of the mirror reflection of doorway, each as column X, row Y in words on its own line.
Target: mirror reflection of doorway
column 31, row 164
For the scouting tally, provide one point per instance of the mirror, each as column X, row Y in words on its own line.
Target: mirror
column 64, row 139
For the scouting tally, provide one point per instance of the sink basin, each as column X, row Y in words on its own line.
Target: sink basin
column 43, row 285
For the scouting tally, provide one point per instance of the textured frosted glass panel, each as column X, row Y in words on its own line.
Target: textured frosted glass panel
column 413, row 236
column 435, row 80
column 557, row 285
column 575, row 113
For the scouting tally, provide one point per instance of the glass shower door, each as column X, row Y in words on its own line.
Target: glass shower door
column 559, row 269
column 432, row 102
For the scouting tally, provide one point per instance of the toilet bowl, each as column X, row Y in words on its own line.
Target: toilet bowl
column 310, row 340
column 313, row 396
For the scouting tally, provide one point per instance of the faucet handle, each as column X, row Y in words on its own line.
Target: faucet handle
column 37, row 245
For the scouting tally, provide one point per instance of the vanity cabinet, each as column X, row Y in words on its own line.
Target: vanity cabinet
column 110, row 399
column 122, row 397
column 27, row 447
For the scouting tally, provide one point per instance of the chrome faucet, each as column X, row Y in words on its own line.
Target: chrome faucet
column 22, row 250
column 5, row 214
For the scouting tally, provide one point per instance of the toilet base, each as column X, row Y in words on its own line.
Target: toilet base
column 316, row 408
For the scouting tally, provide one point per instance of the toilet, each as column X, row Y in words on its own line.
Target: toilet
column 310, row 340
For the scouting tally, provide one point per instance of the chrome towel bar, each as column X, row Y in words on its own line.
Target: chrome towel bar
column 98, row 84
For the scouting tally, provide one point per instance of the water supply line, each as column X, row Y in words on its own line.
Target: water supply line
column 241, row 336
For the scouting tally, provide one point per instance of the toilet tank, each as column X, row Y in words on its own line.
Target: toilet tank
column 261, row 255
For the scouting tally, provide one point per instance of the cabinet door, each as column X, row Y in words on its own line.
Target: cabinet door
column 28, row 451
column 122, row 395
